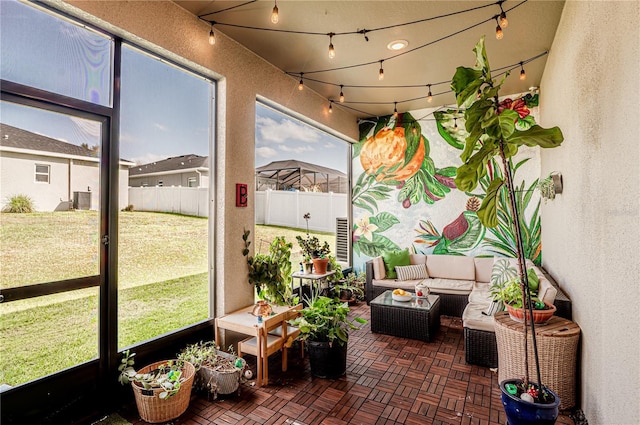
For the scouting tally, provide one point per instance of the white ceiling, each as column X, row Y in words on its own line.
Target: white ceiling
column 532, row 26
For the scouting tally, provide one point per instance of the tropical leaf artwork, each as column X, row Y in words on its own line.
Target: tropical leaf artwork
column 367, row 234
column 395, row 159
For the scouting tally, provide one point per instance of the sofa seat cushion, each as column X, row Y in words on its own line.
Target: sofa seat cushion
column 480, row 293
column 449, row 286
column 407, row 285
column 473, row 317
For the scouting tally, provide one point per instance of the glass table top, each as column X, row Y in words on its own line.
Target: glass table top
column 415, row 303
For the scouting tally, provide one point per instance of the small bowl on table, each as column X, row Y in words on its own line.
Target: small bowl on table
column 402, row 298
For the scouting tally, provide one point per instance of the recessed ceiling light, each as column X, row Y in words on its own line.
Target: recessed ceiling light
column 397, row 44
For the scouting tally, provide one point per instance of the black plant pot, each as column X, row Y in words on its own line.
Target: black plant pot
column 520, row 412
column 327, row 361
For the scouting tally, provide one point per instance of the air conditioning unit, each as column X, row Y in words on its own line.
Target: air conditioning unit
column 343, row 235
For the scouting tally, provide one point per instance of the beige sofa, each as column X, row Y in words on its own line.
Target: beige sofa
column 463, row 284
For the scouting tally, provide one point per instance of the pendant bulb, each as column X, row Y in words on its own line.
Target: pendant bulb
column 503, row 16
column 301, row 83
column 332, row 51
column 429, row 96
column 330, row 107
column 395, row 109
column 381, row 72
column 523, row 75
column 212, row 37
column 455, row 124
column 499, row 33
column 341, row 95
column 274, row 14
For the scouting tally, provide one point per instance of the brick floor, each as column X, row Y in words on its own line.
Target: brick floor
column 389, row 381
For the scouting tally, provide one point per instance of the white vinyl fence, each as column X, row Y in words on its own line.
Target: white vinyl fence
column 174, row 199
column 284, row 208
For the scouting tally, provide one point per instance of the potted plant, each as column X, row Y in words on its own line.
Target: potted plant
column 311, row 248
column 270, row 273
column 509, row 293
column 324, row 326
column 550, row 186
column 162, row 389
column 217, row 372
column 492, row 133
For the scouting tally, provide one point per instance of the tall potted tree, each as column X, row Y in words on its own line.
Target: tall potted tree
column 491, row 125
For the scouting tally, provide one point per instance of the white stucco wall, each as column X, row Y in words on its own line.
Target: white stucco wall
column 591, row 237
column 165, row 28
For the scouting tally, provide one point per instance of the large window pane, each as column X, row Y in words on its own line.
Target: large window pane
column 50, row 162
column 163, row 277
column 46, row 52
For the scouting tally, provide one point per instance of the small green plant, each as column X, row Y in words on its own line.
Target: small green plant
column 128, row 208
column 168, row 376
column 270, row 273
column 547, row 186
column 510, row 291
column 325, row 320
column 19, row 204
column 310, row 246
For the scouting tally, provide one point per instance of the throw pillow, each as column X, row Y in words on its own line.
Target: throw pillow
column 393, row 259
column 493, row 308
column 418, row 271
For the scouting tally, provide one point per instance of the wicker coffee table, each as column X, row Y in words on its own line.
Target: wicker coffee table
column 418, row 318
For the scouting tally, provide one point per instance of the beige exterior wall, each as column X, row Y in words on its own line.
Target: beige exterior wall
column 163, row 27
column 591, row 237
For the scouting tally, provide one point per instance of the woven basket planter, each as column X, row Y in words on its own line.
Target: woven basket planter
column 155, row 410
column 220, row 382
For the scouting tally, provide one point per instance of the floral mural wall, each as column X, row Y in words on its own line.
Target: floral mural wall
column 404, row 193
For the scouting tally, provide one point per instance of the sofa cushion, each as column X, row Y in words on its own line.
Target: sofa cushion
column 546, row 291
column 378, row 268
column 483, row 267
column 480, row 293
column 449, row 286
column 407, row 285
column 418, row 258
column 451, row 267
column 416, row 271
column 473, row 318
column 393, row 259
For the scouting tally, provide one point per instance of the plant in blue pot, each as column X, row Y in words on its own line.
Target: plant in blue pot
column 494, row 135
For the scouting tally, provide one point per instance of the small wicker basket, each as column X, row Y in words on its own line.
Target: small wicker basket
column 155, row 410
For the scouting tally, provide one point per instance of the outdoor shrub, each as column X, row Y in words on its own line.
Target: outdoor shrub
column 19, row 204
column 128, row 208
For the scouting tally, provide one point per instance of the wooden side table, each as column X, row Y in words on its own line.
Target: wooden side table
column 557, row 350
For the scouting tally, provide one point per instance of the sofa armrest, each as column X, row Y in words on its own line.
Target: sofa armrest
column 368, row 285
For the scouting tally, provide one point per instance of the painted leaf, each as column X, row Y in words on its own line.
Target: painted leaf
column 382, row 122
column 384, row 221
column 473, row 235
column 444, row 124
column 365, row 128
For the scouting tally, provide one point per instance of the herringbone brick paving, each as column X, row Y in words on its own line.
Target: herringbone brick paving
column 389, row 381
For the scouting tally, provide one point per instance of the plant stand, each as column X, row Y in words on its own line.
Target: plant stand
column 557, row 349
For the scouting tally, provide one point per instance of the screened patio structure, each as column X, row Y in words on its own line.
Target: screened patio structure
column 299, row 175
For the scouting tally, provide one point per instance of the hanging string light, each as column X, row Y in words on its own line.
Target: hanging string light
column 274, row 13
column 499, row 33
column 332, row 51
column 395, row 109
column 455, row 124
column 429, row 96
column 331, row 106
column 523, row 75
column 301, row 83
column 381, row 72
column 503, row 17
column 341, row 94
column 212, row 36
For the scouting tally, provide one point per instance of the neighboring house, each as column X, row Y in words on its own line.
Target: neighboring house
column 56, row 175
column 185, row 171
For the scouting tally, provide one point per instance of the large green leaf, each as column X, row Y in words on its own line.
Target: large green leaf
column 538, row 136
column 365, row 128
column 482, row 62
column 465, row 84
column 487, row 213
column 507, row 120
column 452, row 137
column 412, row 133
column 470, row 172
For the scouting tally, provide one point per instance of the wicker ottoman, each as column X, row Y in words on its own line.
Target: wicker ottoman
column 414, row 319
column 557, row 351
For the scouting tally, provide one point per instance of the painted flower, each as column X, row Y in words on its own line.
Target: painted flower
column 383, row 155
column 365, row 228
column 518, row 105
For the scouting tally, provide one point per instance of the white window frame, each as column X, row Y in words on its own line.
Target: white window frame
column 39, row 173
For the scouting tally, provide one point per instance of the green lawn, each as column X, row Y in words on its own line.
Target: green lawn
column 163, row 283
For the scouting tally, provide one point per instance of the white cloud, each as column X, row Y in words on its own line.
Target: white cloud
column 265, row 152
column 147, row 158
column 296, row 149
column 160, row 127
column 273, row 131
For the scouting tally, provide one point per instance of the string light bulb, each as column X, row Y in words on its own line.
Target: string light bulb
column 341, row 94
column 274, row 13
column 212, row 36
column 503, row 18
column 455, row 124
column 395, row 109
column 381, row 72
column 523, row 75
column 301, row 83
column 499, row 33
column 332, row 51
column 331, row 106
column 429, row 95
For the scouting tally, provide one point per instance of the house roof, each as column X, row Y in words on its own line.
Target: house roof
column 183, row 162
column 13, row 137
